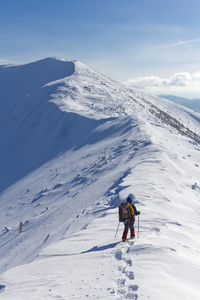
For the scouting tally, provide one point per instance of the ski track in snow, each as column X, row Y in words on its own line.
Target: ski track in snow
column 97, row 141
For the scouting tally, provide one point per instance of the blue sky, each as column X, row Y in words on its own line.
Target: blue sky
column 153, row 45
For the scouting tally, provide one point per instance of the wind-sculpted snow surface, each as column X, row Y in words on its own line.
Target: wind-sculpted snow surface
column 74, row 144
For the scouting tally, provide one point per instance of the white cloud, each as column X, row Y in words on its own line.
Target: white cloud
column 180, row 79
column 4, row 62
column 196, row 76
column 183, row 84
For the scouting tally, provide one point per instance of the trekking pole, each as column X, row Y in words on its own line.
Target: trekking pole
column 138, row 226
column 117, row 230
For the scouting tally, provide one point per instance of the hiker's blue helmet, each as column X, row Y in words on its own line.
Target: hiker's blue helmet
column 130, row 198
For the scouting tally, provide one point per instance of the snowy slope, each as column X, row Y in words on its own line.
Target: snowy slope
column 80, row 144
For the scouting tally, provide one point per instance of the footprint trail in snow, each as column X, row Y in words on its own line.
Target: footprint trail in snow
column 126, row 286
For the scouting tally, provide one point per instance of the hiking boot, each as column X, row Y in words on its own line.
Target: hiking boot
column 124, row 236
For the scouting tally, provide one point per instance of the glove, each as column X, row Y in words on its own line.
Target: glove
column 138, row 213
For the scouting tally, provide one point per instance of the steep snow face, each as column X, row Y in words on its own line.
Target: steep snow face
column 32, row 129
column 89, row 142
column 18, row 82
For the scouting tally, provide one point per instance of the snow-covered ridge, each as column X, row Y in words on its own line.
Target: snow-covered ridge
column 17, row 82
column 74, row 143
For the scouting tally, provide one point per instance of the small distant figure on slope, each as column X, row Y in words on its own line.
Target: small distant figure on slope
column 21, row 227
column 127, row 213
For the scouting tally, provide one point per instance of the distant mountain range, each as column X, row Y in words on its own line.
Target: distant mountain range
column 192, row 104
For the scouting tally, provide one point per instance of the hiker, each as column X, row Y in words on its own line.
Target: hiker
column 129, row 219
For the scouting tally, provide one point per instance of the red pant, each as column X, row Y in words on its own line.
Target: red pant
column 126, row 227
